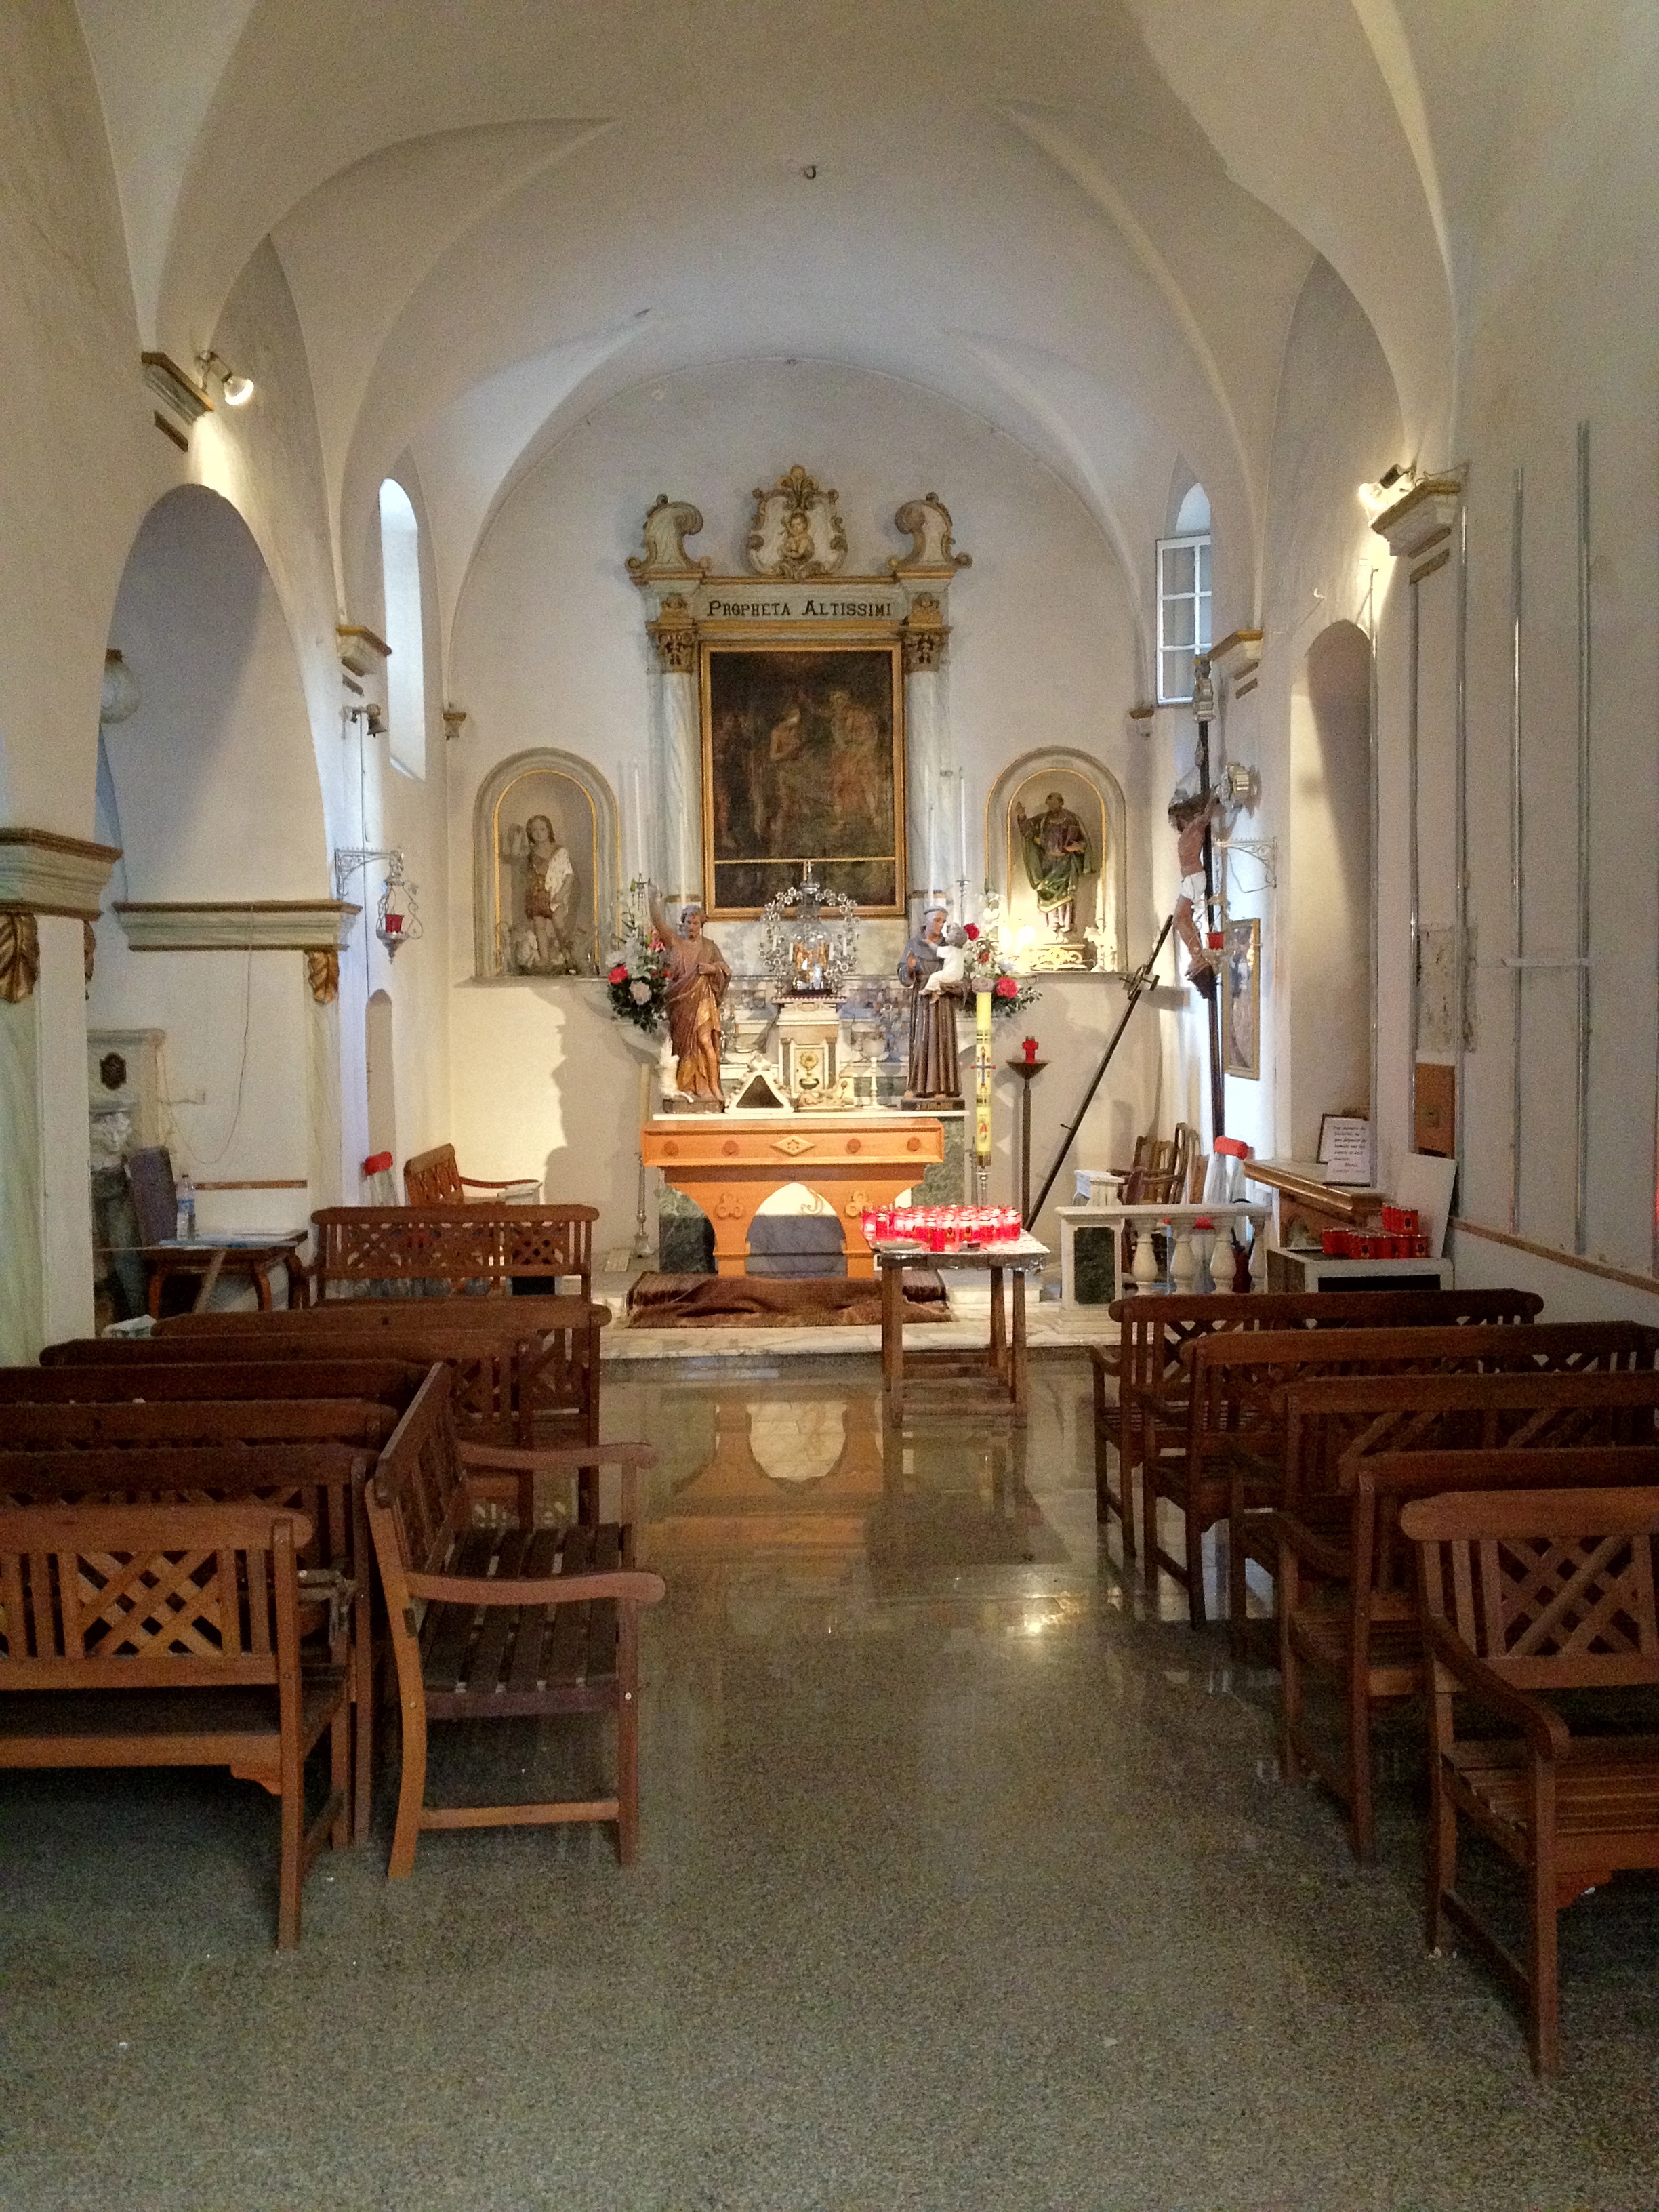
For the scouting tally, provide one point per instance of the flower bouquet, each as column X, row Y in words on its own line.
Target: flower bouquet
column 987, row 969
column 637, row 979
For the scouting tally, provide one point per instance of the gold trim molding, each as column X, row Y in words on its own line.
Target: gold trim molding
column 20, row 957
column 238, row 926
column 1422, row 518
column 46, row 873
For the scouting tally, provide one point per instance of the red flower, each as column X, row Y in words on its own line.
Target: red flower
column 970, row 930
column 1004, row 987
column 618, row 974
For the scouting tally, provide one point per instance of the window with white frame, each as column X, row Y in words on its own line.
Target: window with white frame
column 1183, row 598
column 405, row 675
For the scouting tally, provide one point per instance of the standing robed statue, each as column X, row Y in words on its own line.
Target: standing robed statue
column 933, row 1076
column 698, row 979
column 1057, row 857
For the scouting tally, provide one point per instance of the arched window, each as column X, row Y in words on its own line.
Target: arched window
column 400, row 571
column 1183, row 598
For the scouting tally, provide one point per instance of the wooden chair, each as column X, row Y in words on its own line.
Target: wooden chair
column 321, row 1482
column 446, row 1251
column 505, row 1620
column 434, row 1179
column 169, row 1635
column 1525, row 1595
column 1348, row 1607
column 1142, row 1391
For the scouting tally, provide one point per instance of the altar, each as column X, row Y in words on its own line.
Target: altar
column 731, row 1164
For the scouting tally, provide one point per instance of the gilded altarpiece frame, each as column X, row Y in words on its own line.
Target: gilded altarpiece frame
column 803, row 761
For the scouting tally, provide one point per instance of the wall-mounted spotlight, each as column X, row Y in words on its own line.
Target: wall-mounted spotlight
column 237, row 389
column 1393, row 484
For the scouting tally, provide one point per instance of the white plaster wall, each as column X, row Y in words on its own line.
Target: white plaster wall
column 549, row 649
column 1338, row 426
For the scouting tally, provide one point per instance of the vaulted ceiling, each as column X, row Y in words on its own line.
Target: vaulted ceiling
column 1089, row 220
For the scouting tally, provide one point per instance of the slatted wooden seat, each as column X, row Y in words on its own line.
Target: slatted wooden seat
column 1346, row 1603
column 1524, row 1597
column 321, row 1482
column 433, row 1178
column 170, row 1637
column 1141, row 1391
column 451, row 1249
column 503, row 1621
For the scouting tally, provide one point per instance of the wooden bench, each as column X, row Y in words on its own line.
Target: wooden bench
column 1525, row 1597
column 526, row 1370
column 322, row 1483
column 507, row 1620
column 151, row 1373
column 1240, row 1431
column 1144, row 1369
column 1347, row 1609
column 448, row 1250
column 169, row 1635
column 434, row 1179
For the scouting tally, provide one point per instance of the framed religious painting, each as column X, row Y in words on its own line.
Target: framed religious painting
column 1240, row 1000
column 803, row 760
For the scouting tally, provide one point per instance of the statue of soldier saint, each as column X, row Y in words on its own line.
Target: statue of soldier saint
column 1057, row 857
column 698, row 979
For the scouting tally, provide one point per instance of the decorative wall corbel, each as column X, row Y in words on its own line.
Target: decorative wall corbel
column 323, row 977
column 88, row 951
column 20, row 956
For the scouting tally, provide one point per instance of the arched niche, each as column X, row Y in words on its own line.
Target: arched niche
column 1328, row 900
column 582, row 807
column 1094, row 794
column 215, row 772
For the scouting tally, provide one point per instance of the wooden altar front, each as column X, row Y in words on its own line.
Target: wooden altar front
column 730, row 1163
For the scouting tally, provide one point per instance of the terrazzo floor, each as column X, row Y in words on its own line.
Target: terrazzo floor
column 967, row 1881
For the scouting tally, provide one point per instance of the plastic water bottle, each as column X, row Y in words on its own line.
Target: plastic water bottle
column 186, row 1223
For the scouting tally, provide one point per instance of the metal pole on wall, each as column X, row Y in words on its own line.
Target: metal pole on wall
column 1581, row 1192
column 1518, row 835
column 1204, row 710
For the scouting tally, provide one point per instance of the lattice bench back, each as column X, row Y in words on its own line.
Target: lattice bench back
column 490, row 1246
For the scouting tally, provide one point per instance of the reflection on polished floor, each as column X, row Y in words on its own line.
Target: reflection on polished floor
column 967, row 1881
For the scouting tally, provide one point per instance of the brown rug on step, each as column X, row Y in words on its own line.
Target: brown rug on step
column 776, row 1302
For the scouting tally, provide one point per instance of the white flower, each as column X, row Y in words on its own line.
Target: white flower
column 640, row 994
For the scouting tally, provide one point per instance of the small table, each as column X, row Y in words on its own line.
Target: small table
column 999, row 1372
column 250, row 1252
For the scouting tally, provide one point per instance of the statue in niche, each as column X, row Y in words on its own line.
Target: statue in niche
column 698, row 980
column 541, row 944
column 1057, row 857
column 933, row 1077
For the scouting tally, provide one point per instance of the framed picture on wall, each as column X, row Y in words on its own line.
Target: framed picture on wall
column 803, row 759
column 1240, row 1000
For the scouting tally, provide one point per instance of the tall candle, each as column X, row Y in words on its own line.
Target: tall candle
column 962, row 826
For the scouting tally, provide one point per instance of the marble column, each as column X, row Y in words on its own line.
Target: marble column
column 932, row 804
column 675, row 861
column 66, row 1129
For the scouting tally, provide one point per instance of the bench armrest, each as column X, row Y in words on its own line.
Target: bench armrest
column 628, row 1585
column 1547, row 1734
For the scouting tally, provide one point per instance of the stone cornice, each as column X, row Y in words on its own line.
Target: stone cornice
column 41, row 872
column 247, row 924
column 1422, row 518
column 1237, row 656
